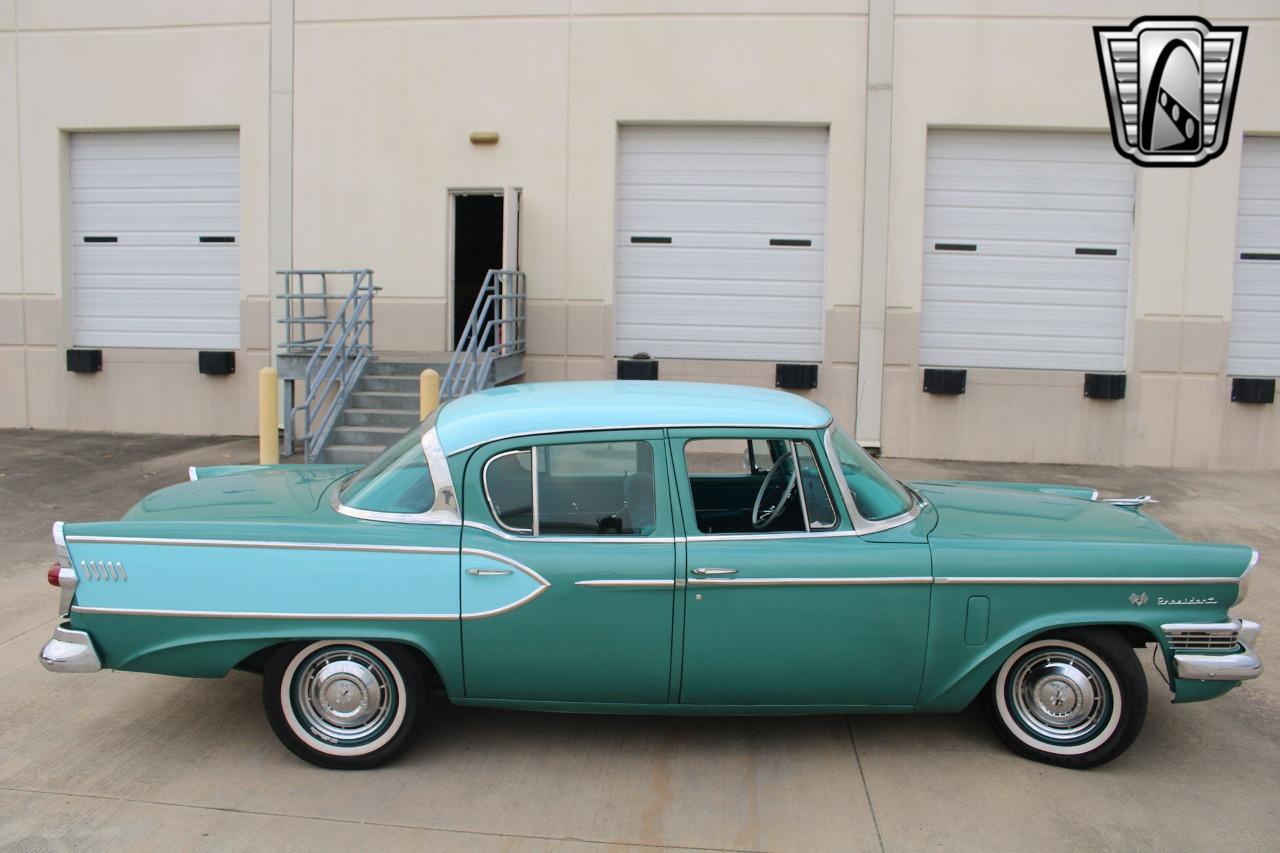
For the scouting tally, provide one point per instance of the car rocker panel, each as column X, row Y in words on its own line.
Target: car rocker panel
column 597, row 547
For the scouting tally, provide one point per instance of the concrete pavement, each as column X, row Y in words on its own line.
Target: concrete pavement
column 123, row 760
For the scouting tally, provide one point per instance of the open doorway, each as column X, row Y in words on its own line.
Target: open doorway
column 477, row 248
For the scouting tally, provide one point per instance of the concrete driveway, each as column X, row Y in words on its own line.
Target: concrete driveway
column 121, row 760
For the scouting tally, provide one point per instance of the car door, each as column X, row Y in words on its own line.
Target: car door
column 803, row 612
column 568, row 569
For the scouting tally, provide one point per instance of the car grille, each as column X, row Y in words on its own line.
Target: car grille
column 1216, row 638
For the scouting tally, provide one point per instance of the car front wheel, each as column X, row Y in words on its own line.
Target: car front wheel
column 1077, row 698
column 344, row 704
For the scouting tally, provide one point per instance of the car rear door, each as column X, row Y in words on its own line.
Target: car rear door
column 568, row 578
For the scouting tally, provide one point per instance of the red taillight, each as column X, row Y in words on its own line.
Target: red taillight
column 54, row 571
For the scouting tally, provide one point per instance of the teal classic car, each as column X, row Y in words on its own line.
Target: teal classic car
column 650, row 547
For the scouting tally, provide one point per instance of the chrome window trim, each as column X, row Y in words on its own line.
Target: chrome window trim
column 444, row 506
column 809, row 525
column 800, row 534
column 533, row 487
column 804, row 504
column 533, row 474
column 564, row 540
column 861, row 525
column 624, row 427
column 1109, row 580
column 251, row 543
column 534, row 534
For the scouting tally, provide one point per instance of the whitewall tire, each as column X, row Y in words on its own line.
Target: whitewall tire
column 344, row 704
column 1075, row 698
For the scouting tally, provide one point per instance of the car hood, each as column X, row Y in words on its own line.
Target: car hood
column 244, row 492
column 1016, row 511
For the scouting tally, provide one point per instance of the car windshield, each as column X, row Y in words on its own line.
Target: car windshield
column 398, row 480
column 877, row 495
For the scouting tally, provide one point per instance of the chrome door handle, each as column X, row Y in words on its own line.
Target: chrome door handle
column 709, row 571
column 484, row 573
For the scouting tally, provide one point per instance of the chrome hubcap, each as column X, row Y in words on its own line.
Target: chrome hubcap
column 344, row 695
column 1058, row 695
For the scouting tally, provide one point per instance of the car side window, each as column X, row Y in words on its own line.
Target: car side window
column 755, row 485
column 582, row 489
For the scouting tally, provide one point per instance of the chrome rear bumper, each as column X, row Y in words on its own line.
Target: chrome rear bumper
column 69, row 651
column 1240, row 666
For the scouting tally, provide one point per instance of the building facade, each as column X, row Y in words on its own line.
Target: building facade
column 871, row 186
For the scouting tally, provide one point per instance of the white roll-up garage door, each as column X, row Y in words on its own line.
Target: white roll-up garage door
column 155, row 231
column 1026, row 255
column 1255, row 303
column 721, row 237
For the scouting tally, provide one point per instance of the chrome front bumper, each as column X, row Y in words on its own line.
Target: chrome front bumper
column 1240, row 666
column 69, row 651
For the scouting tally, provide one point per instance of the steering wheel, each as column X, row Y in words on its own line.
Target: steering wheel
column 784, row 467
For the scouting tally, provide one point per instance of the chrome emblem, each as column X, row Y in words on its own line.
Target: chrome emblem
column 1138, row 599
column 1170, row 85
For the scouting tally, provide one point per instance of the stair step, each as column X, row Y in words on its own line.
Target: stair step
column 389, row 382
column 399, row 400
column 398, row 418
column 365, row 435
column 350, row 454
column 411, row 367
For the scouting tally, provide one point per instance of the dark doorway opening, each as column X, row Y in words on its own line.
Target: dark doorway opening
column 477, row 248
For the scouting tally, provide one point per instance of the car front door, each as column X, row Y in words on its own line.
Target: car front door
column 801, row 611
column 568, row 569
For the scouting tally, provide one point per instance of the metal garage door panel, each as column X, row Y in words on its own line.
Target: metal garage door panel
column 140, row 204
column 1005, row 281
column 718, row 288
column 1255, row 304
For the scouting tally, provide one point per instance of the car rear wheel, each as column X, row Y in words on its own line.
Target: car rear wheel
column 344, row 704
column 1077, row 698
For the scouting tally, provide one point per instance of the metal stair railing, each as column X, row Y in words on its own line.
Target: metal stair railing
column 496, row 328
column 338, row 356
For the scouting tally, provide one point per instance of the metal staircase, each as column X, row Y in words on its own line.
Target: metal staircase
column 356, row 402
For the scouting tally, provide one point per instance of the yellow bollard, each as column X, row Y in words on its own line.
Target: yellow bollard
column 268, row 415
column 428, row 393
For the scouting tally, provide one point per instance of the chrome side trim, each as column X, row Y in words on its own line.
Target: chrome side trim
column 191, row 473
column 444, row 507
column 238, row 614
column 624, row 427
column 1240, row 666
column 248, row 543
column 1094, row 496
column 564, row 540
column 861, row 525
column 1080, row 580
column 543, row 584
column 624, row 584
column 882, row 581
column 69, row 651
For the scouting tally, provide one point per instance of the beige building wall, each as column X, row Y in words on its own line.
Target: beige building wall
column 129, row 65
column 1016, row 66
column 354, row 131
